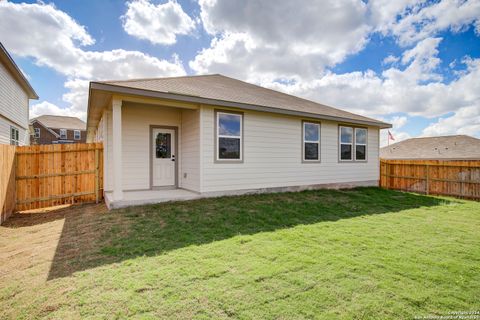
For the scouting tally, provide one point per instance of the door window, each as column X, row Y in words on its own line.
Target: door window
column 163, row 145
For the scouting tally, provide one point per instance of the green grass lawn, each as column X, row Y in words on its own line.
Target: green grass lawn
column 354, row 254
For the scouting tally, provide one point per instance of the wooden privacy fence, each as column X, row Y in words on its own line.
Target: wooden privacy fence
column 7, row 181
column 452, row 178
column 50, row 175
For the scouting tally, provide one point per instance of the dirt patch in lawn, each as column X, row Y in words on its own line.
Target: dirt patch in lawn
column 53, row 242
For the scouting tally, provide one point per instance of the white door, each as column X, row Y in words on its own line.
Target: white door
column 163, row 157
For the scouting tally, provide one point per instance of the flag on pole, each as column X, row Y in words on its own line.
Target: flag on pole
column 390, row 136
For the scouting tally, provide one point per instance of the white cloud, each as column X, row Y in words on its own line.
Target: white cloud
column 465, row 121
column 48, row 34
column 421, row 19
column 396, row 90
column 390, row 59
column 280, row 45
column 264, row 42
column 159, row 24
column 46, row 107
column 268, row 41
column 279, row 39
column 54, row 39
column 398, row 122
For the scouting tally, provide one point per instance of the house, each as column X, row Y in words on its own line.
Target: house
column 48, row 129
column 200, row 136
column 15, row 92
column 457, row 147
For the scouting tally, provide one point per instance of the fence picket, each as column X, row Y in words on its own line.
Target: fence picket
column 58, row 174
column 454, row 178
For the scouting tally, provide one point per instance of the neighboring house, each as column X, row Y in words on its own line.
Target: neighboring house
column 49, row 129
column 198, row 136
column 15, row 92
column 459, row 147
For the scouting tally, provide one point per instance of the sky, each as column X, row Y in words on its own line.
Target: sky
column 415, row 64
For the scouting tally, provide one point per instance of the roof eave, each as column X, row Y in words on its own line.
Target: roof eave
column 17, row 73
column 194, row 99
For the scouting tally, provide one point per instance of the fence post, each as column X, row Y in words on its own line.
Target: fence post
column 96, row 175
column 427, row 183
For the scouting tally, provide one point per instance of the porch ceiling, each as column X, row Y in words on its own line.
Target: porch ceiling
column 99, row 99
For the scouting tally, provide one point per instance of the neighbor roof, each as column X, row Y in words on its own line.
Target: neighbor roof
column 459, row 147
column 17, row 74
column 220, row 90
column 60, row 122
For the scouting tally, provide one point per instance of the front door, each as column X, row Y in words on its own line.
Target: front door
column 163, row 157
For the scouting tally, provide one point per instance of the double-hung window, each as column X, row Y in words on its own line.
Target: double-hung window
column 76, row 134
column 360, row 144
column 353, row 143
column 346, row 143
column 229, row 131
column 14, row 136
column 37, row 133
column 63, row 133
column 311, row 141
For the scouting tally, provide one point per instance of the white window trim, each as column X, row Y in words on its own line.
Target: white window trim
column 61, row 135
column 361, row 144
column 37, row 133
column 346, row 143
column 217, row 152
column 15, row 141
column 75, row 135
column 311, row 141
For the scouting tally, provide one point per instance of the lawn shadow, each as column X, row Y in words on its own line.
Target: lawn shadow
column 93, row 236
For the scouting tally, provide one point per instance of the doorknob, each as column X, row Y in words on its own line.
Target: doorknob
column 173, row 157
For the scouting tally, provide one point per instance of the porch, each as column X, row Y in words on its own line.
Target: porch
column 151, row 149
column 142, row 197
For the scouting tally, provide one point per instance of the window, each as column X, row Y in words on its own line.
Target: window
column 311, row 141
column 360, row 144
column 353, row 144
column 76, row 134
column 63, row 133
column 14, row 136
column 229, row 136
column 346, row 143
column 37, row 132
column 163, row 146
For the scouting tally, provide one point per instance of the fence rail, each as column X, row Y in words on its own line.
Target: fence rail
column 49, row 175
column 452, row 178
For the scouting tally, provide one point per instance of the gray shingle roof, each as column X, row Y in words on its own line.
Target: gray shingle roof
column 61, row 122
column 221, row 88
column 459, row 147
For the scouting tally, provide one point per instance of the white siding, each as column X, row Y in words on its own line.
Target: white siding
column 5, row 125
column 190, row 150
column 272, row 156
column 104, row 134
column 136, row 122
column 272, row 151
column 99, row 131
column 13, row 106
